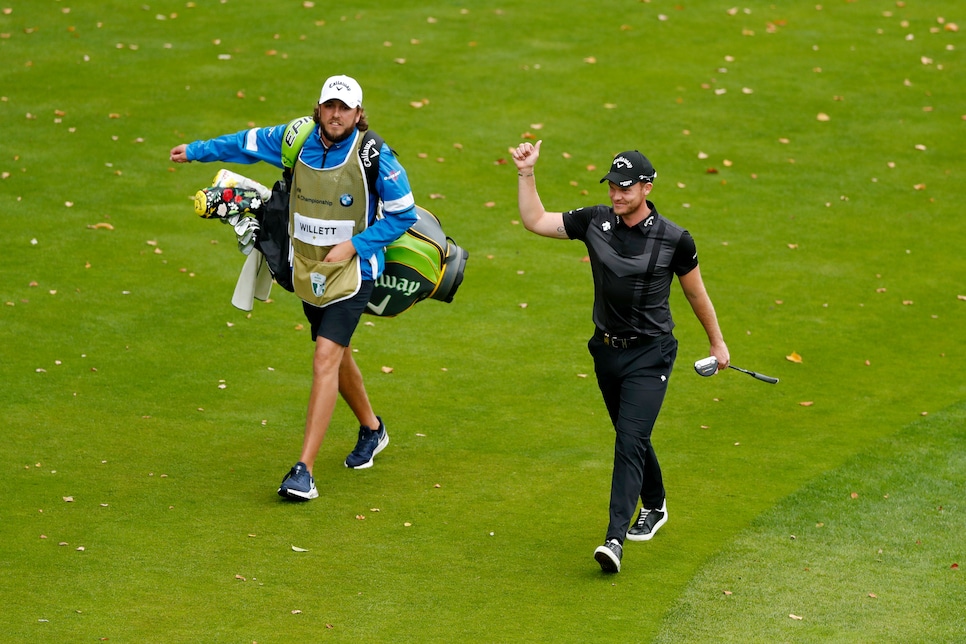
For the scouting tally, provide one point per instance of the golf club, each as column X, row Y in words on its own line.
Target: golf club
column 709, row 366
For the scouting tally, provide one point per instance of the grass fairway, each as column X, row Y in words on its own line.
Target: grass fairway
column 814, row 152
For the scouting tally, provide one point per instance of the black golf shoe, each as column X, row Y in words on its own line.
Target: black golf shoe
column 648, row 522
column 609, row 556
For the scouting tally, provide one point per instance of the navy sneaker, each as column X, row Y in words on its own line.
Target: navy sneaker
column 648, row 522
column 370, row 443
column 298, row 484
column 609, row 556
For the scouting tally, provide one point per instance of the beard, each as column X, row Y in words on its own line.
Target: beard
column 332, row 138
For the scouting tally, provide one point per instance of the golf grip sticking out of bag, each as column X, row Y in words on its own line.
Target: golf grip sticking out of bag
column 709, row 366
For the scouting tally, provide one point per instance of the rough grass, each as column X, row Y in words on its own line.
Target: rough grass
column 862, row 554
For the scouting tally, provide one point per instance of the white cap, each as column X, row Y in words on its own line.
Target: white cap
column 343, row 88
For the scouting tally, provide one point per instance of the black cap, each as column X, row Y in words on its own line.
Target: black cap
column 629, row 168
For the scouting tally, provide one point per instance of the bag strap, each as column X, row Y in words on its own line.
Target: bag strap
column 369, row 152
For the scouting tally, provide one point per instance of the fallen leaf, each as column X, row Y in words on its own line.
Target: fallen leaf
column 240, row 578
column 807, row 403
column 854, row 495
column 955, row 566
column 387, row 369
column 794, row 357
column 796, row 617
column 727, row 592
column 873, row 596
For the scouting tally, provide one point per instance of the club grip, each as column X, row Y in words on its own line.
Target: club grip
column 765, row 378
column 758, row 376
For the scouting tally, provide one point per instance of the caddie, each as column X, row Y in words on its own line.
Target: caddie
column 337, row 248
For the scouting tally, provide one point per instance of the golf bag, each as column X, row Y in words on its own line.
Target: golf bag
column 422, row 263
column 273, row 239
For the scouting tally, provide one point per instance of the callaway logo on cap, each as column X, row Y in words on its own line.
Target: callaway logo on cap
column 342, row 88
column 629, row 168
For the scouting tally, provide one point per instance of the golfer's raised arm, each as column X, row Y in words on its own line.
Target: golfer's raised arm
column 534, row 216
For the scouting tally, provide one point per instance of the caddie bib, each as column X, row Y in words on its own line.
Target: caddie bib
column 327, row 207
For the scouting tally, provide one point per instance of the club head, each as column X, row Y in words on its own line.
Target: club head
column 706, row 366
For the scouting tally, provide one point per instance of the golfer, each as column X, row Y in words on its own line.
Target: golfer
column 634, row 254
column 338, row 253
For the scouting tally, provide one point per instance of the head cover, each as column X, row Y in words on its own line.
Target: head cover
column 343, row 88
column 629, row 168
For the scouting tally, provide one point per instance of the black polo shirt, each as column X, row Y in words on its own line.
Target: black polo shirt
column 633, row 267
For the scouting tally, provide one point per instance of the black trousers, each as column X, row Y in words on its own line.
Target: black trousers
column 633, row 382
